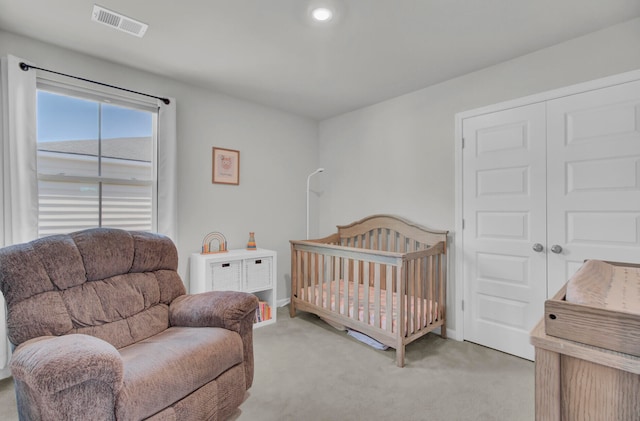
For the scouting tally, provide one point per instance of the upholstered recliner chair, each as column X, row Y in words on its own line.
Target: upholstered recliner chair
column 105, row 331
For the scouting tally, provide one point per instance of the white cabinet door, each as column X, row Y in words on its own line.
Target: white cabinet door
column 593, row 166
column 564, row 173
column 504, row 211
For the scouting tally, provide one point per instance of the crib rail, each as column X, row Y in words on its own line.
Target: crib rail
column 389, row 233
column 386, row 295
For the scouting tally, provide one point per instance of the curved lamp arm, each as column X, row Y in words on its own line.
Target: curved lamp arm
column 319, row 170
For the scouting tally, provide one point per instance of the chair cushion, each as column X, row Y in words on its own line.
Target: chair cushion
column 103, row 282
column 166, row 367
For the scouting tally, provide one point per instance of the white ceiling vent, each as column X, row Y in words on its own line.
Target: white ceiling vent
column 118, row 21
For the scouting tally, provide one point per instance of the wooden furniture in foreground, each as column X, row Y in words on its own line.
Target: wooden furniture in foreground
column 587, row 354
column 382, row 276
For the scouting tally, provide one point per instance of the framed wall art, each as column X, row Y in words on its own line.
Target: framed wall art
column 226, row 166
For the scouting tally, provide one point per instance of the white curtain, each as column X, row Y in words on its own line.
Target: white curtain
column 167, row 170
column 19, row 207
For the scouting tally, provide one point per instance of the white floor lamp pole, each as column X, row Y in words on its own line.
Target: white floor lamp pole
column 309, row 179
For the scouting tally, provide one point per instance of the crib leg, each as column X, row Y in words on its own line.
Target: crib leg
column 292, row 309
column 400, row 354
column 443, row 331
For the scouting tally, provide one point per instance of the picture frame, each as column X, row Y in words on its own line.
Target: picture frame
column 226, row 166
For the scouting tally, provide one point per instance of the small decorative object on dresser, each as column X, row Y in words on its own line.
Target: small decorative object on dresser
column 210, row 238
column 251, row 244
column 252, row 271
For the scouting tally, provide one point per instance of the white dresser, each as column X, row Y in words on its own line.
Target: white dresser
column 252, row 271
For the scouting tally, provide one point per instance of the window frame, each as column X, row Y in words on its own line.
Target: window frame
column 111, row 97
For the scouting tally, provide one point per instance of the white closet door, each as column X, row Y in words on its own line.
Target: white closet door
column 504, row 211
column 593, row 179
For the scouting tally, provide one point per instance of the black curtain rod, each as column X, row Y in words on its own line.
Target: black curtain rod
column 26, row 67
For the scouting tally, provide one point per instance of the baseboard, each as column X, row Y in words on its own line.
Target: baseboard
column 451, row 334
column 283, row 302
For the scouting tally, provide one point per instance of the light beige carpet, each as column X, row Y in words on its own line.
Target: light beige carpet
column 306, row 370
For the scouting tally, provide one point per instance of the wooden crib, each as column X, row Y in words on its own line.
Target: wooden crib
column 381, row 276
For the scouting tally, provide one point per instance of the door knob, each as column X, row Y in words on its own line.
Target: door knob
column 537, row 247
column 556, row 249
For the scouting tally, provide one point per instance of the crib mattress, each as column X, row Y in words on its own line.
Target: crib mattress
column 411, row 305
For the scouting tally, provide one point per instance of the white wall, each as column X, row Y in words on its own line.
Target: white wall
column 277, row 151
column 398, row 156
column 393, row 157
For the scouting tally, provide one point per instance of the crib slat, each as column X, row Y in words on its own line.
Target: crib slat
column 414, row 294
column 338, row 276
column 331, row 278
column 401, row 299
column 374, row 239
column 389, row 302
column 348, row 285
column 443, row 292
column 305, row 277
column 366, row 300
column 418, row 300
column 433, row 277
column 319, row 274
column 424, row 320
column 301, row 275
column 326, row 287
column 430, row 303
column 427, row 289
column 294, row 282
column 383, row 268
column 376, row 291
column 312, row 284
column 422, row 293
column 295, row 275
column 393, row 236
column 424, row 267
column 345, row 292
column 419, row 295
column 408, row 296
column 402, row 330
column 428, row 300
column 392, row 247
column 356, row 290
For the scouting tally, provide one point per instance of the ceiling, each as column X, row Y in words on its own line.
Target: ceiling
column 269, row 51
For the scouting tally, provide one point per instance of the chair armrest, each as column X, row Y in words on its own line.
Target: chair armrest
column 226, row 309
column 230, row 310
column 68, row 377
column 49, row 364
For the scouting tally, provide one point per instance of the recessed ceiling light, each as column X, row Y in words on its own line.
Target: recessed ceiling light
column 322, row 14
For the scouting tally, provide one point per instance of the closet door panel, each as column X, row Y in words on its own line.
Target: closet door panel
column 593, row 179
column 504, row 213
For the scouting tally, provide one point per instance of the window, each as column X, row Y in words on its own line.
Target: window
column 96, row 162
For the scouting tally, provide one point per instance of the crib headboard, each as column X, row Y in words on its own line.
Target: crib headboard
column 389, row 233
